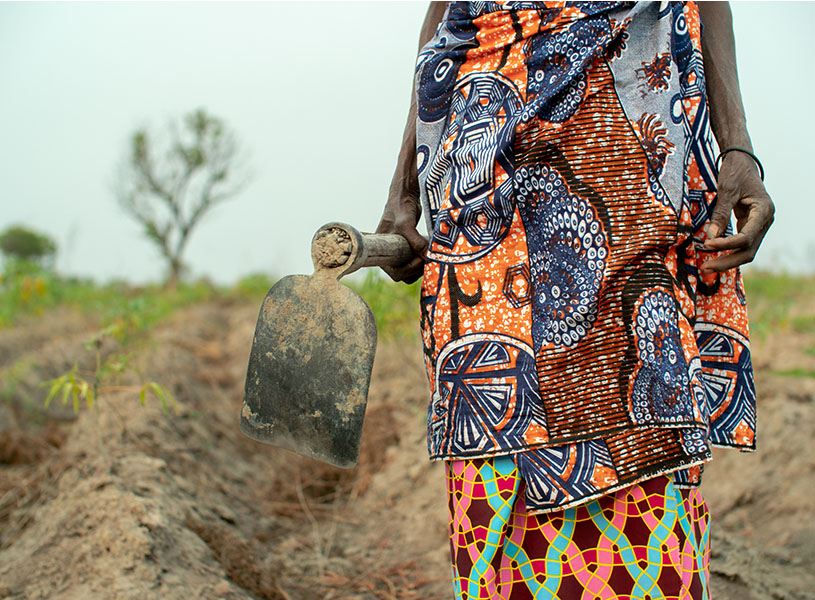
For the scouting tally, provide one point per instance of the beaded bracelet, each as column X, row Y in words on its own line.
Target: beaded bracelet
column 747, row 152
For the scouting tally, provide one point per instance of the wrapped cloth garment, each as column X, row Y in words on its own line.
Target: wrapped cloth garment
column 649, row 540
column 567, row 175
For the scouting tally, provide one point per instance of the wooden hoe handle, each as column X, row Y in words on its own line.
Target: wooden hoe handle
column 340, row 249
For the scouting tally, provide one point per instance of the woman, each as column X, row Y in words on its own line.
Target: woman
column 583, row 317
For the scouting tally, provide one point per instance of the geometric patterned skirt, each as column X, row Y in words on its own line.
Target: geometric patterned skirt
column 648, row 541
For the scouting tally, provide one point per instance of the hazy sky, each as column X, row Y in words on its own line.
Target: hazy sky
column 317, row 93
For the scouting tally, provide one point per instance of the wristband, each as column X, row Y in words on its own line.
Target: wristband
column 745, row 151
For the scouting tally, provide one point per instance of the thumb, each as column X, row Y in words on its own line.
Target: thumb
column 720, row 218
column 416, row 240
column 405, row 225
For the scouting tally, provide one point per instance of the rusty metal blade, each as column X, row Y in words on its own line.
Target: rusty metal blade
column 309, row 369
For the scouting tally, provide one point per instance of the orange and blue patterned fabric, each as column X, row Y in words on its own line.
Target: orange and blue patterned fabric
column 647, row 542
column 566, row 169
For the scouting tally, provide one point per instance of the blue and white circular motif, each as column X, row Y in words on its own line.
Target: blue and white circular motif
column 681, row 44
column 694, row 441
column 437, row 67
column 657, row 191
column 437, row 77
column 556, row 80
column 662, row 381
column 567, row 255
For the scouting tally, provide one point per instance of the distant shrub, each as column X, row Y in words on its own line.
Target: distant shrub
column 20, row 243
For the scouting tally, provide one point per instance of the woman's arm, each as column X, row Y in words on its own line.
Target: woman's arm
column 403, row 209
column 740, row 189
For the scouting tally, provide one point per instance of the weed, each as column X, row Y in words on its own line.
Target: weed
column 70, row 385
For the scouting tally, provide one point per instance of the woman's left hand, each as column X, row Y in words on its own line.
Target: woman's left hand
column 740, row 191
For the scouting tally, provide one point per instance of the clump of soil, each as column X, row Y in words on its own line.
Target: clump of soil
column 131, row 502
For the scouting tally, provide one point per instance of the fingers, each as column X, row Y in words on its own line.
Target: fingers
column 751, row 233
column 407, row 273
column 737, row 180
column 412, row 270
column 740, row 190
column 416, row 240
column 729, row 261
column 745, row 243
column 719, row 219
column 401, row 216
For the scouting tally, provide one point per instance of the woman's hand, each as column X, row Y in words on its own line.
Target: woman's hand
column 740, row 191
column 401, row 215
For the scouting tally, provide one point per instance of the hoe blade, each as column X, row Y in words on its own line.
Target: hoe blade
column 309, row 370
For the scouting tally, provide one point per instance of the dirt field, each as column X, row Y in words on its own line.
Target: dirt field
column 133, row 503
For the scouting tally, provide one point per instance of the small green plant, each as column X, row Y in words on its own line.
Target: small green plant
column 70, row 385
column 76, row 386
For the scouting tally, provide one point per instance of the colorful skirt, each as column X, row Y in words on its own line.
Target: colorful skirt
column 648, row 541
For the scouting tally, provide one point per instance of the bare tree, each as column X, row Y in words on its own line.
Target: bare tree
column 169, row 187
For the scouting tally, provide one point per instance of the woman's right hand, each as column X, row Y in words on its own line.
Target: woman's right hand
column 401, row 215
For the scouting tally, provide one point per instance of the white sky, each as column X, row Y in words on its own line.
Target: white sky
column 317, row 93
